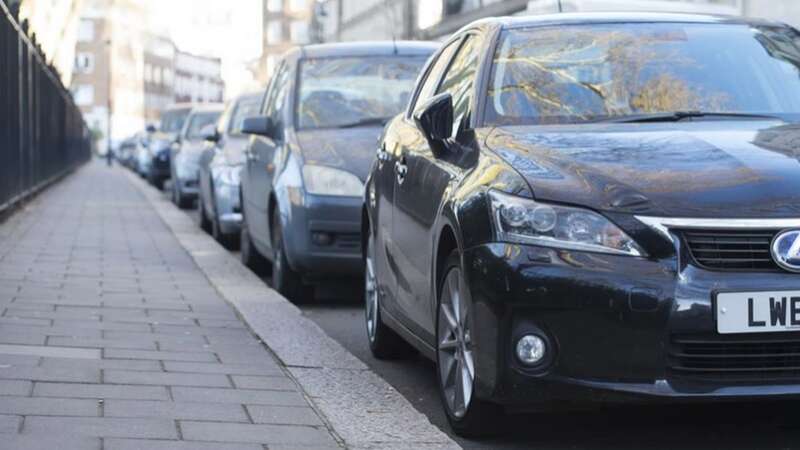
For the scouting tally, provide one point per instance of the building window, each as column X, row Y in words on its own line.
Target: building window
column 274, row 32
column 299, row 32
column 83, row 94
column 275, row 6
column 298, row 5
column 86, row 31
column 84, row 62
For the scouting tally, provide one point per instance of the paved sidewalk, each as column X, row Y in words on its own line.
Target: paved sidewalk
column 112, row 338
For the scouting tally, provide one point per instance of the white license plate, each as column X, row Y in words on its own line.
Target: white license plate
column 758, row 312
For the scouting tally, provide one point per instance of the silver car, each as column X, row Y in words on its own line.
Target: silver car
column 219, row 211
column 186, row 151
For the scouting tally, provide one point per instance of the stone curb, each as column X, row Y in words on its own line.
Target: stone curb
column 363, row 410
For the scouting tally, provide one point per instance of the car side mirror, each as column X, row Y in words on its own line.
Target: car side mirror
column 211, row 135
column 259, row 125
column 435, row 118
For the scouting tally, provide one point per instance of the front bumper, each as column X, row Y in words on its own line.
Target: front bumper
column 159, row 165
column 613, row 324
column 338, row 220
column 228, row 209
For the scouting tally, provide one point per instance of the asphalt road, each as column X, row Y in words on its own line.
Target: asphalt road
column 740, row 425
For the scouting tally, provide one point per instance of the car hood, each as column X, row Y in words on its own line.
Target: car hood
column 350, row 149
column 724, row 169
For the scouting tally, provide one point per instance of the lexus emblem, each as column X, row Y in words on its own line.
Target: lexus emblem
column 786, row 250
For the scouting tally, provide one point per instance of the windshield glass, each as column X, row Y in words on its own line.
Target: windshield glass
column 199, row 123
column 337, row 92
column 247, row 107
column 172, row 121
column 577, row 73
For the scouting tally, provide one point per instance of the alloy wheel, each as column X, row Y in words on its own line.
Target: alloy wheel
column 456, row 363
column 370, row 293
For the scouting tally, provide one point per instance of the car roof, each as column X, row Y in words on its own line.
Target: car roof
column 368, row 48
column 615, row 17
column 208, row 107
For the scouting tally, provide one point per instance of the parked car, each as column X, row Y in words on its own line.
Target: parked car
column 593, row 208
column 311, row 151
column 157, row 159
column 186, row 150
column 124, row 154
column 218, row 208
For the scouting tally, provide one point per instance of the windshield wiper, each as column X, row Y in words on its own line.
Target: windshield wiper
column 677, row 116
column 365, row 122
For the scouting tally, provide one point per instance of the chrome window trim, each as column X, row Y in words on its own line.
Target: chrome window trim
column 664, row 224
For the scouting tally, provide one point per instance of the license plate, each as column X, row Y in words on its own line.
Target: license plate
column 758, row 312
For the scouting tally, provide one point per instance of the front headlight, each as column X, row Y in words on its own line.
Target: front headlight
column 525, row 221
column 321, row 180
column 228, row 175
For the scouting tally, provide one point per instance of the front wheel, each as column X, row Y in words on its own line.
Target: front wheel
column 202, row 216
column 285, row 280
column 455, row 359
column 249, row 254
column 384, row 343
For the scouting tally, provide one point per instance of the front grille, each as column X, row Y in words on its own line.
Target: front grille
column 736, row 357
column 731, row 249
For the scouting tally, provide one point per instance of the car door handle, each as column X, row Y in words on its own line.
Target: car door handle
column 401, row 170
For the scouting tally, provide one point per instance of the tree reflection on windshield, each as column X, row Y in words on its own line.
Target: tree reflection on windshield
column 588, row 72
column 351, row 91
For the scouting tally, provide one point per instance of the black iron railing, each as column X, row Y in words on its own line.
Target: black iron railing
column 42, row 132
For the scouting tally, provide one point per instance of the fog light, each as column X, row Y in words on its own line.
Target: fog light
column 321, row 239
column 530, row 349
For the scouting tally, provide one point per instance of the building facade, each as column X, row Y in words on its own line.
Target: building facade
column 198, row 79
column 159, row 76
column 123, row 75
column 286, row 23
column 348, row 20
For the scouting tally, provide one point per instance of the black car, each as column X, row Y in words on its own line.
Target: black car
column 303, row 182
column 218, row 204
column 593, row 208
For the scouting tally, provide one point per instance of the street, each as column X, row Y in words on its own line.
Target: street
column 337, row 309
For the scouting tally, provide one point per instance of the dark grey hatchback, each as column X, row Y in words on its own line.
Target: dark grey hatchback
column 593, row 208
column 310, row 153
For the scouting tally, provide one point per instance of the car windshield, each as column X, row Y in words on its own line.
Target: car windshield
column 247, row 107
column 579, row 73
column 199, row 122
column 350, row 91
column 172, row 121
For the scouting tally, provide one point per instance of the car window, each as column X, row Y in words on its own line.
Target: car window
column 434, row 74
column 460, row 78
column 350, row 91
column 276, row 105
column 173, row 121
column 199, row 122
column 578, row 73
column 271, row 89
column 246, row 107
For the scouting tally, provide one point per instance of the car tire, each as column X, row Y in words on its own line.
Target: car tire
column 180, row 200
column 155, row 181
column 249, row 254
column 285, row 280
column 229, row 241
column 468, row 415
column 202, row 215
column 384, row 343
